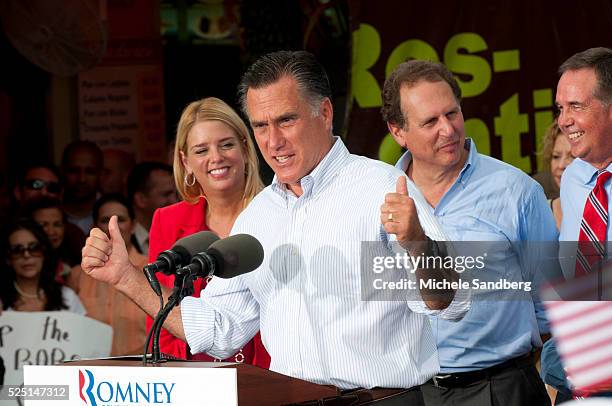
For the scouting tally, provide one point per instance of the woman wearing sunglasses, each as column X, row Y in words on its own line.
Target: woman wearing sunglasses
column 27, row 282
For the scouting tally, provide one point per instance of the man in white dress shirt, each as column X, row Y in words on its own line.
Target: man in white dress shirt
column 307, row 297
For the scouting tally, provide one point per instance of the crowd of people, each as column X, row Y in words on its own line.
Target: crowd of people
column 305, row 312
column 52, row 210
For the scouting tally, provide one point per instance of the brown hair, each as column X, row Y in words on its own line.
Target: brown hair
column 410, row 73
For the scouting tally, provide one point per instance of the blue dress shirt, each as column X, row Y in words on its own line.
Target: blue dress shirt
column 492, row 201
column 577, row 181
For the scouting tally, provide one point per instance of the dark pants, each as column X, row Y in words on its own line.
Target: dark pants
column 407, row 398
column 516, row 385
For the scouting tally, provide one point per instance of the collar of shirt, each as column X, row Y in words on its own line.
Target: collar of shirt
column 141, row 233
column 320, row 176
column 466, row 171
column 585, row 172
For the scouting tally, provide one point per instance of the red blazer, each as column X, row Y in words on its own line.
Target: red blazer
column 169, row 224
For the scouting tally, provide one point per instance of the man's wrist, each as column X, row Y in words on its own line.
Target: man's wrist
column 433, row 249
column 130, row 280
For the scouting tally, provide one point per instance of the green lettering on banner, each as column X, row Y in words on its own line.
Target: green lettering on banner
column 366, row 50
column 542, row 98
column 389, row 151
column 476, row 129
column 466, row 55
column 413, row 48
column 473, row 65
column 507, row 61
column 509, row 125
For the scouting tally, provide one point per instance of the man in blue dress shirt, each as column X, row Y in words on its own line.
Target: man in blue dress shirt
column 584, row 101
column 485, row 358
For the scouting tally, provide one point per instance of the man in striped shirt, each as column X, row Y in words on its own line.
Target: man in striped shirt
column 308, row 298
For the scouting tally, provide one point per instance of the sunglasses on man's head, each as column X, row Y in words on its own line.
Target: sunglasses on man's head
column 35, row 249
column 38, row 184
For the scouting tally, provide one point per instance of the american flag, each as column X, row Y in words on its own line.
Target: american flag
column 580, row 314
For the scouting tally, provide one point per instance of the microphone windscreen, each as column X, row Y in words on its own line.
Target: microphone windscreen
column 236, row 255
column 194, row 243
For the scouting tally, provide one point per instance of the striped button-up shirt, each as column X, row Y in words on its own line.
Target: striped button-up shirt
column 306, row 297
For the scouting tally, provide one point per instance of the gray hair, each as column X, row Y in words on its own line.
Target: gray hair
column 600, row 60
column 302, row 66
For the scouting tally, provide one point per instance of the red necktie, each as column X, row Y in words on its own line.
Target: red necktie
column 593, row 228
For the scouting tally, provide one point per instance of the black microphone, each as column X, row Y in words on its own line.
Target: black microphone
column 226, row 258
column 180, row 254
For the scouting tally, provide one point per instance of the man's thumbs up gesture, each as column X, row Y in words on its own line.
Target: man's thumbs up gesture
column 105, row 258
column 399, row 216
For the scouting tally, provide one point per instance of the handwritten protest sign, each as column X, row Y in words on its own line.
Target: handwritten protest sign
column 47, row 338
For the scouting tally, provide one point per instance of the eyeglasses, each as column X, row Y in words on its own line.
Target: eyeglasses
column 38, row 184
column 35, row 249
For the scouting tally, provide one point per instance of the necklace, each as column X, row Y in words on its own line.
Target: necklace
column 26, row 294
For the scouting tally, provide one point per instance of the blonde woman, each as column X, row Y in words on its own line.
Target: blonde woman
column 216, row 174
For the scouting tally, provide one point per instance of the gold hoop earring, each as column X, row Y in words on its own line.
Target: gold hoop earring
column 186, row 180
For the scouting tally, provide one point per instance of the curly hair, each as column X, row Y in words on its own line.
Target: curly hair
column 548, row 144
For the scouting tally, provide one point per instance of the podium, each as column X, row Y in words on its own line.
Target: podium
column 255, row 386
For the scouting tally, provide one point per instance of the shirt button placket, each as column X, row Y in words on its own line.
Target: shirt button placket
column 297, row 224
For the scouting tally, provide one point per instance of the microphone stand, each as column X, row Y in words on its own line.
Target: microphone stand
column 173, row 262
column 183, row 286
